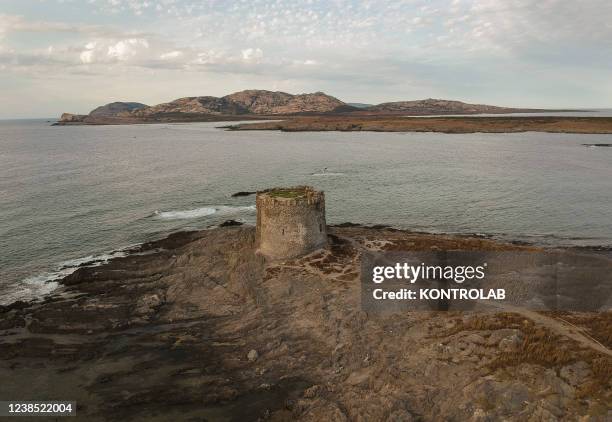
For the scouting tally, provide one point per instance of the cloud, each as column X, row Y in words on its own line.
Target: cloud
column 520, row 25
column 405, row 47
column 170, row 55
column 16, row 23
column 126, row 49
column 87, row 56
column 252, row 54
column 209, row 57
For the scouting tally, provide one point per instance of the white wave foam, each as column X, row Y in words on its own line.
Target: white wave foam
column 37, row 286
column 203, row 212
column 30, row 288
column 178, row 215
column 93, row 260
column 233, row 210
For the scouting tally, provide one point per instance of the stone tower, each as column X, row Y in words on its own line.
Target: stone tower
column 290, row 221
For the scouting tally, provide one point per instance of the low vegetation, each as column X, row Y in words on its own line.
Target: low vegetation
column 348, row 123
column 287, row 193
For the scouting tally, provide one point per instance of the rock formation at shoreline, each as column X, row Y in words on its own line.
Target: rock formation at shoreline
column 72, row 118
column 199, row 327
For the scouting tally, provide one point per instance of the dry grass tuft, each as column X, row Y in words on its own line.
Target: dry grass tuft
column 484, row 322
column 541, row 347
column 600, row 380
column 598, row 325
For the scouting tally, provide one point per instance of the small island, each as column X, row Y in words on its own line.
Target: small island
column 321, row 112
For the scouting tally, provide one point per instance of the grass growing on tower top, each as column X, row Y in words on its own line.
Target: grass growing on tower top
column 287, row 193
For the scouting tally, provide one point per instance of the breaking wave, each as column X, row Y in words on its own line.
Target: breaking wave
column 202, row 212
column 37, row 286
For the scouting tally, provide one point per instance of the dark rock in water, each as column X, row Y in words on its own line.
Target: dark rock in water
column 243, row 193
column 20, row 304
column 520, row 242
column 71, row 118
column 597, row 145
column 380, row 226
column 173, row 241
column 77, row 277
column 348, row 224
column 230, row 223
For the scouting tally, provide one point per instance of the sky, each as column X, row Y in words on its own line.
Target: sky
column 73, row 55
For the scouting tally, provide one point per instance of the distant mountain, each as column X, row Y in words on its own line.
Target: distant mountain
column 249, row 102
column 252, row 101
column 269, row 102
column 191, row 106
column 113, row 109
column 256, row 103
column 437, row 106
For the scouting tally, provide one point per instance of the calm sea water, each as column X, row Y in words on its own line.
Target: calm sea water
column 72, row 194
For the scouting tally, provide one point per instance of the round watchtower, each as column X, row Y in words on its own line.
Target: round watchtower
column 290, row 221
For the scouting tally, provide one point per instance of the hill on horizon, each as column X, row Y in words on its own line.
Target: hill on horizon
column 255, row 102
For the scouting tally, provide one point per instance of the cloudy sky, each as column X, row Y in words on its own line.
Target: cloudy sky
column 72, row 55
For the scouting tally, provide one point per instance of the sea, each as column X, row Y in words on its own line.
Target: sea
column 85, row 194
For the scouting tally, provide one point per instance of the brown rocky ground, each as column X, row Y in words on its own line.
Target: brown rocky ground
column 391, row 123
column 198, row 327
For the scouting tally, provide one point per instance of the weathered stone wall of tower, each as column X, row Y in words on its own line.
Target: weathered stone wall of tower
column 290, row 222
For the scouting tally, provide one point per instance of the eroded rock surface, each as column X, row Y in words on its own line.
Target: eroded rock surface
column 169, row 334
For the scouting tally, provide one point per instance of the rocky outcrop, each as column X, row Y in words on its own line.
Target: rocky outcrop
column 269, row 102
column 198, row 325
column 194, row 105
column 116, row 108
column 260, row 101
column 72, row 118
column 247, row 102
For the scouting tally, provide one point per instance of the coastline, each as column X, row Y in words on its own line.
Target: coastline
column 451, row 125
column 66, row 269
column 174, row 329
column 177, row 118
column 367, row 122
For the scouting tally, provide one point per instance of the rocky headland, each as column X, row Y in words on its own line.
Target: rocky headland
column 197, row 326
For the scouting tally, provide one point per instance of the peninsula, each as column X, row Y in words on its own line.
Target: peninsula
column 501, row 124
column 212, row 325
